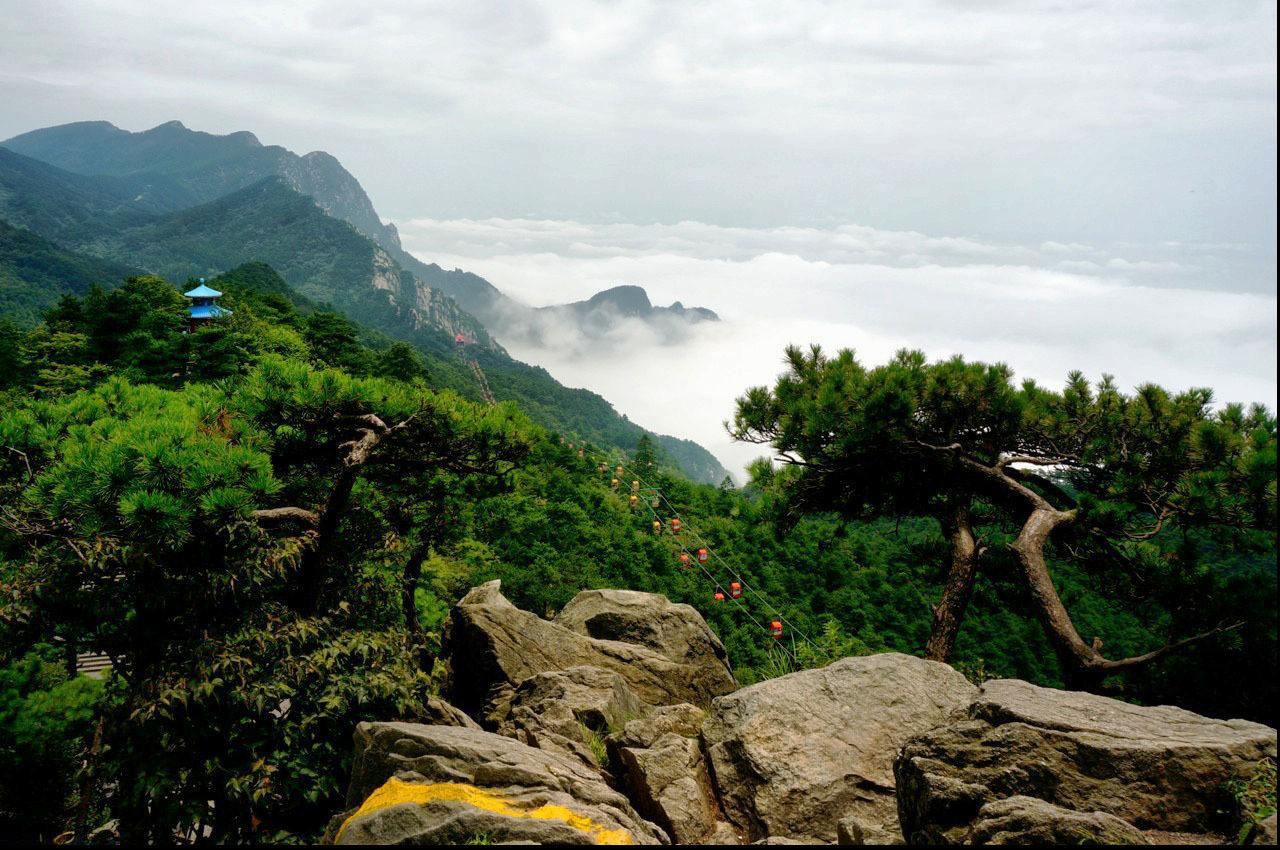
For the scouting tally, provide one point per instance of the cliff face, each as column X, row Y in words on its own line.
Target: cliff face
column 624, row 690
column 175, row 167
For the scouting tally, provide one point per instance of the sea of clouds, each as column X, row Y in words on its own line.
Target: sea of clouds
column 1179, row 314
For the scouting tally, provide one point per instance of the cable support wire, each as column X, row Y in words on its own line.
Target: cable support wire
column 759, row 595
column 768, row 603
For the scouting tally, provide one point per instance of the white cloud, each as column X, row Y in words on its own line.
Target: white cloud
column 1034, row 120
column 850, row 287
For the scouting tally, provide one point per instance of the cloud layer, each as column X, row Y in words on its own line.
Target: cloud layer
column 1040, row 119
column 1045, row 309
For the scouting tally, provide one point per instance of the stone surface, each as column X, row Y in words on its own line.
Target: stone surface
column 792, row 755
column 490, row 644
column 674, row 630
column 564, row 709
column 660, row 760
column 849, row 832
column 1030, row 821
column 1158, row 768
column 422, row 784
column 440, row 713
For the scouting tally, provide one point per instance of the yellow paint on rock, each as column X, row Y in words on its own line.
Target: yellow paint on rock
column 394, row 792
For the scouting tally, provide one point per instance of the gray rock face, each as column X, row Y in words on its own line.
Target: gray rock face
column 1029, row 821
column 665, row 774
column 1158, row 768
column 791, row 756
column 419, row 784
column 490, row 644
column 440, row 713
column 674, row 630
column 562, row 710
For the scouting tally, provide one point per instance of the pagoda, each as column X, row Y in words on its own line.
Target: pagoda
column 204, row 306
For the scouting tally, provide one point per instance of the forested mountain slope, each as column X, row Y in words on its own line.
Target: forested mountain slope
column 34, row 272
column 322, row 257
column 173, row 167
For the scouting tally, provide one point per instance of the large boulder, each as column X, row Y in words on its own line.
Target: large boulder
column 660, row 761
column 1158, row 768
column 791, row 756
column 570, row 711
column 674, row 630
column 491, row 646
column 1028, row 821
column 439, row 785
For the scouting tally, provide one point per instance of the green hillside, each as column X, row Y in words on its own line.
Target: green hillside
column 321, row 257
column 34, row 272
column 153, row 480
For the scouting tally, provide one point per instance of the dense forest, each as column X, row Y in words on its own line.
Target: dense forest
column 264, row 522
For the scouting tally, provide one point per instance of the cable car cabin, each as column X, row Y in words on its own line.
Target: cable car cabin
column 613, row 482
column 635, row 486
column 703, row 554
column 719, row 596
column 582, row 453
column 684, row 560
column 675, row 525
column 775, row 629
column 203, row 307
column 460, row 340
column 619, row 471
column 735, row 590
column 604, row 467
column 634, row 501
column 657, row 527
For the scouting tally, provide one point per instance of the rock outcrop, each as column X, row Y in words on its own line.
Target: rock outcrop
column 492, row 645
column 1030, row 821
column 791, row 756
column 1159, row 768
column 661, row 762
column 620, row 721
column 568, row 711
column 418, row 784
column 674, row 630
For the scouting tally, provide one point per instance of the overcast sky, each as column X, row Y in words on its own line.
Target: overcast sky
column 1006, row 179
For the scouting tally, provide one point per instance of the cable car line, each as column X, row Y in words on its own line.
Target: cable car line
column 758, row 594
column 678, row 527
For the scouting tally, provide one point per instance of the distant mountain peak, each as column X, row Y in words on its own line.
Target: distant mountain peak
column 627, row 299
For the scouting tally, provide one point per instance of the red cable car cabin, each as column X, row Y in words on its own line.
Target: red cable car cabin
column 675, row 525
column 684, row 560
column 775, row 629
column 703, row 554
column 735, row 590
column 719, row 596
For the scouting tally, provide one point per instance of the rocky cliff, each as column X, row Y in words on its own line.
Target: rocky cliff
column 619, row 722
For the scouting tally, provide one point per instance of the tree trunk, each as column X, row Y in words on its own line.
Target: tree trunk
column 1081, row 662
column 409, row 586
column 948, row 614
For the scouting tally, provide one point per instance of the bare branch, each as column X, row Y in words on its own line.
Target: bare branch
column 25, row 460
column 273, row 516
column 1147, row 658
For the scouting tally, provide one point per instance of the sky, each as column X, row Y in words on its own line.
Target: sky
column 1054, row 184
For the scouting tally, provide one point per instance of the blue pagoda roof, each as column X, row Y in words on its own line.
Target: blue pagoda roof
column 203, row 291
column 208, row 311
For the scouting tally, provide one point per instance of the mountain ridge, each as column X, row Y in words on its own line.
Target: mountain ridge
column 326, row 258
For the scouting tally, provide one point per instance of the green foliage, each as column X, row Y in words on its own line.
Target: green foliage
column 1255, row 798
column 138, row 459
column 46, row 721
